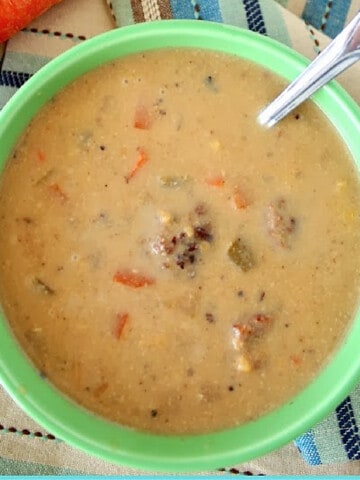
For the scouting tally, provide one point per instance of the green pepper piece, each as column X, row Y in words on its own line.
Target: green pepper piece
column 241, row 255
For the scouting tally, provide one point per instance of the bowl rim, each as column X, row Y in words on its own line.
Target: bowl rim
column 123, row 445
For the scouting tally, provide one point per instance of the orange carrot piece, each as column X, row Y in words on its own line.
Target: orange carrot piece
column 296, row 360
column 142, row 119
column 40, row 156
column 239, row 201
column 132, row 279
column 140, row 162
column 121, row 320
column 58, row 192
column 216, row 181
column 15, row 15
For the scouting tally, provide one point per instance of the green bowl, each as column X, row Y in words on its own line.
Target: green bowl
column 79, row 428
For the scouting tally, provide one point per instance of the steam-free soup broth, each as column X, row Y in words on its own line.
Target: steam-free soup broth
column 164, row 260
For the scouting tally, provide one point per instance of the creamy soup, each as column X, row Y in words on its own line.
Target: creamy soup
column 166, row 262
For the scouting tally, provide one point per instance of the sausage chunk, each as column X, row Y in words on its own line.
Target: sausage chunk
column 280, row 224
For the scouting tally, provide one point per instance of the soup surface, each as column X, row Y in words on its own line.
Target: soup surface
column 165, row 261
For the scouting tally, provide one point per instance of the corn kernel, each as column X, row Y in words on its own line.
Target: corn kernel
column 164, row 217
column 243, row 364
column 215, row 145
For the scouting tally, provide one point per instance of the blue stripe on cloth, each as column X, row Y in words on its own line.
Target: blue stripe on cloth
column 13, row 79
column 315, row 9
column 348, row 429
column 254, row 16
column 307, row 447
column 182, row 9
column 210, row 10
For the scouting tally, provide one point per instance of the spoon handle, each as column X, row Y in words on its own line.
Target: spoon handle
column 342, row 52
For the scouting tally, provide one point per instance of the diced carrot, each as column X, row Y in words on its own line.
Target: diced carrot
column 142, row 119
column 121, row 320
column 216, row 181
column 239, row 200
column 58, row 192
column 40, row 155
column 15, row 15
column 296, row 360
column 140, row 162
column 132, row 279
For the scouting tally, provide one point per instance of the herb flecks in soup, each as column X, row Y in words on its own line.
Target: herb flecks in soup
column 165, row 261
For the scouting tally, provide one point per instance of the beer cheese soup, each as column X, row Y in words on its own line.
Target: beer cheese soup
column 166, row 262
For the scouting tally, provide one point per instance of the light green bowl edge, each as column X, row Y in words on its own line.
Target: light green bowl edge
column 81, row 429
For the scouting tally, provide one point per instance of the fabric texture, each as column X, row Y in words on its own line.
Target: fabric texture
column 337, row 437
column 24, row 446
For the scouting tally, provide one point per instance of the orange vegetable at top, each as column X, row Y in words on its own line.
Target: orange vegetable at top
column 16, row 14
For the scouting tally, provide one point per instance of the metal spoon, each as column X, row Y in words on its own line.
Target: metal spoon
column 339, row 55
